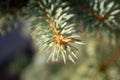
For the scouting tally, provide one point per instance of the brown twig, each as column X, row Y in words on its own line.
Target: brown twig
column 103, row 67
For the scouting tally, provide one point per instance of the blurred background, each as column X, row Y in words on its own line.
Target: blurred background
column 98, row 59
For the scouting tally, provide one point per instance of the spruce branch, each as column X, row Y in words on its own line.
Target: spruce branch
column 54, row 29
column 102, row 12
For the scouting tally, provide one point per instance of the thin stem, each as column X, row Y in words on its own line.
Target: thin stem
column 114, row 56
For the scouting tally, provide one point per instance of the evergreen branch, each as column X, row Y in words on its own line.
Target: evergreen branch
column 53, row 33
column 102, row 12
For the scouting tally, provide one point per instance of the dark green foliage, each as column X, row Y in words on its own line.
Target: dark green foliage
column 102, row 14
